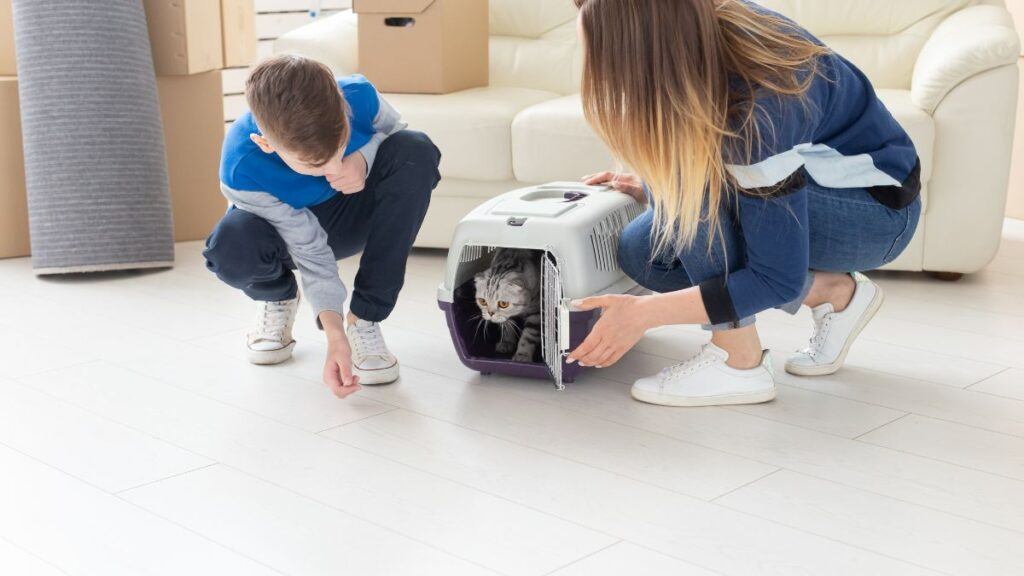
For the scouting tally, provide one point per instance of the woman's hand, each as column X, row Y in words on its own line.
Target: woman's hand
column 624, row 319
column 629, row 184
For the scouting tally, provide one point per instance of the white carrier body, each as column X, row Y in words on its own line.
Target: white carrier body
column 577, row 226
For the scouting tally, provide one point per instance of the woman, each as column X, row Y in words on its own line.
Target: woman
column 772, row 172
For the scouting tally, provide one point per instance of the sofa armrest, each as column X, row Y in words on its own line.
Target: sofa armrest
column 333, row 40
column 969, row 42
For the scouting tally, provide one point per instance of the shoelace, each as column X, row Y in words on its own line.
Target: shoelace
column 703, row 358
column 369, row 341
column 273, row 320
column 821, row 329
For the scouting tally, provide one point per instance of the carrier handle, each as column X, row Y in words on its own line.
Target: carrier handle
column 399, row 22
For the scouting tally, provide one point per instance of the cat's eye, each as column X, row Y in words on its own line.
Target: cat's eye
column 502, row 304
column 482, row 302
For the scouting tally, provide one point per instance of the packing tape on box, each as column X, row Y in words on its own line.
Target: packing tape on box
column 95, row 167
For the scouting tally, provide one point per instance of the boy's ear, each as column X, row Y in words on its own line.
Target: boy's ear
column 262, row 142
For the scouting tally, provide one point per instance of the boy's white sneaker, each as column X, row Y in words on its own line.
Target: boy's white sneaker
column 371, row 359
column 706, row 380
column 272, row 342
column 834, row 332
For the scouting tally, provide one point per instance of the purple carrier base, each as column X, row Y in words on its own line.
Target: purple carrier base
column 482, row 358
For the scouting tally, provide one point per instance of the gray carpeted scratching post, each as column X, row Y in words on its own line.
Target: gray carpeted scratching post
column 94, row 149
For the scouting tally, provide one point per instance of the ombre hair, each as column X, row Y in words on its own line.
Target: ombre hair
column 671, row 86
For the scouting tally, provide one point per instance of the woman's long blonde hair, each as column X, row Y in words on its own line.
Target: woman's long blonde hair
column 670, row 84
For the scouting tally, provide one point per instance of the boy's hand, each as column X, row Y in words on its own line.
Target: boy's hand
column 338, row 367
column 351, row 178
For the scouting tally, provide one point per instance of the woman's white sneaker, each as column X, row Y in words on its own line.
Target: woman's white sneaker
column 371, row 359
column 272, row 342
column 706, row 380
column 834, row 332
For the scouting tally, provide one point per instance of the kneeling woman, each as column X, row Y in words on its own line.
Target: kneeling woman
column 772, row 172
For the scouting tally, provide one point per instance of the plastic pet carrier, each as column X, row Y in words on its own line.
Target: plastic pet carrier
column 575, row 230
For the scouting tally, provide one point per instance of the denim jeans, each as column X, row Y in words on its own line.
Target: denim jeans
column 381, row 221
column 849, row 232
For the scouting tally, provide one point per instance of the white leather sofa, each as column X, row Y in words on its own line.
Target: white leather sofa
column 947, row 69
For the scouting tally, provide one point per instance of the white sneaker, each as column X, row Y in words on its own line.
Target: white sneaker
column 706, row 380
column 834, row 332
column 371, row 359
column 272, row 342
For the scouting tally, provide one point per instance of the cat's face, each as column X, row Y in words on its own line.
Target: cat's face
column 500, row 298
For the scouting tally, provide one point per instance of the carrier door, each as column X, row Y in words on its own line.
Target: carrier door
column 554, row 323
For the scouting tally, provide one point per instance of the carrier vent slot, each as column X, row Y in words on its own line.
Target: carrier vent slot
column 604, row 238
column 471, row 254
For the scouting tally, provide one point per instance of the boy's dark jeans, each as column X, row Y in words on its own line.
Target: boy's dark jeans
column 381, row 221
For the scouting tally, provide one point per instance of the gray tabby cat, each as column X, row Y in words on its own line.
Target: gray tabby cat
column 510, row 288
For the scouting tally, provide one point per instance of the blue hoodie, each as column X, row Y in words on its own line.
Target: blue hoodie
column 840, row 135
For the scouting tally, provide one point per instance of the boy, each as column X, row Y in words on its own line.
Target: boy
column 321, row 169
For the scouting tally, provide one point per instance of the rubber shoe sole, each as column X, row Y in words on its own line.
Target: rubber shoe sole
column 269, row 357
column 834, row 366
column 377, row 377
column 758, row 397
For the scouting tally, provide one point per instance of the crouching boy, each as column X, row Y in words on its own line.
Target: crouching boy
column 321, row 169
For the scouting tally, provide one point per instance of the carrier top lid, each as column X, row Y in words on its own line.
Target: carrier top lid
column 578, row 225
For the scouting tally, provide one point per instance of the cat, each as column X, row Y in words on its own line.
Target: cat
column 510, row 288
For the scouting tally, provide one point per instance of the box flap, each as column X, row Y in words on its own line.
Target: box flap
column 391, row 6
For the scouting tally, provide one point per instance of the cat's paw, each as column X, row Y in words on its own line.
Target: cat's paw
column 505, row 347
column 526, row 357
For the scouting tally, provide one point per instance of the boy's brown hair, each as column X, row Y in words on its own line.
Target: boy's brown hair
column 297, row 103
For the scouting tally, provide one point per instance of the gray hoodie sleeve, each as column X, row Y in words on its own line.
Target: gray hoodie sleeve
column 387, row 122
column 307, row 245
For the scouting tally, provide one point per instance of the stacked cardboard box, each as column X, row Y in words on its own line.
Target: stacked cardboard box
column 191, row 43
column 192, row 40
column 13, row 210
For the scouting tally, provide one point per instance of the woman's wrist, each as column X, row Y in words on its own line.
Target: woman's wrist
column 651, row 311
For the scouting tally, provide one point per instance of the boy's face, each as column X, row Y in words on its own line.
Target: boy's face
column 329, row 170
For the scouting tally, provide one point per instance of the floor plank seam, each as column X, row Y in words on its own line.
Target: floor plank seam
column 592, row 529
column 120, row 499
column 947, row 462
column 159, row 480
column 384, row 527
column 844, row 543
column 582, row 558
column 754, row 481
column 391, row 408
column 988, row 523
column 559, row 456
column 985, row 379
column 225, row 403
column 880, row 426
column 34, row 555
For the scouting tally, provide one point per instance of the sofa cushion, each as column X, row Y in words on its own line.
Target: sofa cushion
column 552, row 140
column 529, row 18
column 472, row 128
column 553, row 61
column 882, row 37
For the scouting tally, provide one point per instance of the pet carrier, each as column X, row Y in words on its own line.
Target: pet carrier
column 575, row 229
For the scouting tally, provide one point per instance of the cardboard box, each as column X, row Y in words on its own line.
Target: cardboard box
column 13, row 202
column 193, row 117
column 185, row 36
column 238, row 29
column 423, row 46
column 7, row 63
